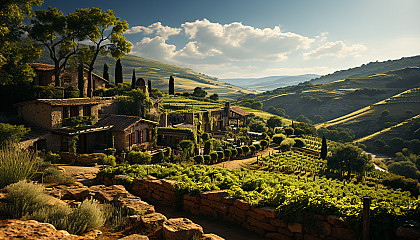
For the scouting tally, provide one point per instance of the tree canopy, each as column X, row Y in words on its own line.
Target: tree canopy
column 348, row 158
column 17, row 52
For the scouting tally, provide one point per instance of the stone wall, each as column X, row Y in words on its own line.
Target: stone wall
column 263, row 221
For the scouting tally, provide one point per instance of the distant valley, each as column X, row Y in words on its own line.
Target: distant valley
column 269, row 83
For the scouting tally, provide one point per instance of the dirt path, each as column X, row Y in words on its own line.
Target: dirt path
column 238, row 163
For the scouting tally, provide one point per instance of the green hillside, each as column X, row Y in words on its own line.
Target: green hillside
column 339, row 98
column 381, row 115
column 367, row 69
column 158, row 72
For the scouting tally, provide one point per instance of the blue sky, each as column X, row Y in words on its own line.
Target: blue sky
column 243, row 38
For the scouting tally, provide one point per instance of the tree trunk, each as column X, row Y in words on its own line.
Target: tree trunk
column 57, row 74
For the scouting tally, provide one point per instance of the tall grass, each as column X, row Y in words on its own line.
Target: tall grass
column 16, row 164
column 27, row 200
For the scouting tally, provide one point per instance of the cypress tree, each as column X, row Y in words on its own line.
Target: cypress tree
column 293, row 125
column 80, row 80
column 105, row 70
column 133, row 80
column 149, row 85
column 118, row 72
column 324, row 148
column 171, row 85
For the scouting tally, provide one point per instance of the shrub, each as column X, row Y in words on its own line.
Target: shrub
column 208, row 147
column 234, row 152
column 16, row 164
column 24, row 198
column 239, row 149
column 207, row 159
column 139, row 157
column 87, row 215
column 53, row 175
column 227, row 153
column 110, row 160
column 10, row 134
column 213, row 157
column 71, row 92
column 199, row 159
column 116, row 217
column 278, row 138
column 264, row 144
column 253, row 149
column 56, row 215
column 110, row 151
column 245, row 150
column 219, row 149
column 220, row 155
column 289, row 131
column 299, row 142
column 287, row 144
column 52, row 157
column 257, row 147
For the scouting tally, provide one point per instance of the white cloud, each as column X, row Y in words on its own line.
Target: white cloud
column 155, row 48
column 156, row 28
column 237, row 50
column 335, row 49
column 238, row 42
column 216, row 43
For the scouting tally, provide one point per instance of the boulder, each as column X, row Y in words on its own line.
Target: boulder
column 211, row 236
column 18, row 229
column 135, row 237
column 181, row 229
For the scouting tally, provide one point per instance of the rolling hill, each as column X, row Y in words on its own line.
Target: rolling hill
column 339, row 98
column 369, row 68
column 381, row 115
column 158, row 72
column 269, row 83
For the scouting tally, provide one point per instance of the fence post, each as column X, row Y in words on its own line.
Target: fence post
column 366, row 217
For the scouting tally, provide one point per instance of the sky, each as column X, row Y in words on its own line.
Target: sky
column 246, row 39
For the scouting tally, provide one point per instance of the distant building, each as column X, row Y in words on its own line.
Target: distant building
column 209, row 121
column 45, row 76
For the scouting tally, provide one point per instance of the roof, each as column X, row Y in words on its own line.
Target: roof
column 64, row 102
column 121, row 122
column 42, row 66
column 239, row 111
column 49, row 67
column 184, row 125
column 71, row 131
column 35, row 133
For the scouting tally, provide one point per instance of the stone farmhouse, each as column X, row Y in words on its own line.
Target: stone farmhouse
column 45, row 76
column 129, row 130
column 49, row 117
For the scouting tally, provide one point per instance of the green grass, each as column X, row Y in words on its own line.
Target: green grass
column 180, row 104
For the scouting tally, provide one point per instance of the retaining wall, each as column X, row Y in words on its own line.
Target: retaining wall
column 263, row 221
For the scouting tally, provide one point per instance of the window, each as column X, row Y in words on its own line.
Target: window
column 147, row 135
column 150, row 135
column 74, row 111
column 87, row 110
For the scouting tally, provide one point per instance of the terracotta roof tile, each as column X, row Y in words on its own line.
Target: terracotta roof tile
column 69, row 101
column 239, row 111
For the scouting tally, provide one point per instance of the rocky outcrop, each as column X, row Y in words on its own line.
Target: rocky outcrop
column 181, row 229
column 18, row 229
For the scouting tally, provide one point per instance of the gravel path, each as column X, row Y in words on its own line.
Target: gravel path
column 238, row 163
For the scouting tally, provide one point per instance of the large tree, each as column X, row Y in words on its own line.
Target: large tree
column 17, row 52
column 348, row 158
column 105, row 36
column 171, row 86
column 59, row 34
